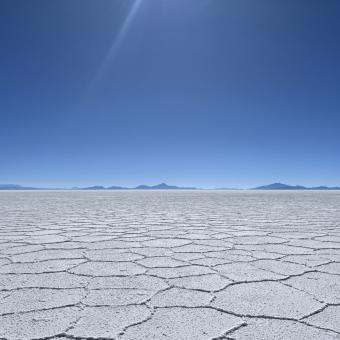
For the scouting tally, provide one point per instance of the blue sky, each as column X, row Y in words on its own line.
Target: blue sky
column 212, row 93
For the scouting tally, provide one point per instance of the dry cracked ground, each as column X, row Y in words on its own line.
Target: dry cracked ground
column 172, row 265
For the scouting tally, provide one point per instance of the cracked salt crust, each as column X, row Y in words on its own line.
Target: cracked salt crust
column 169, row 265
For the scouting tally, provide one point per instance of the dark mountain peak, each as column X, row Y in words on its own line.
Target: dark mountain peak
column 163, row 186
column 280, row 186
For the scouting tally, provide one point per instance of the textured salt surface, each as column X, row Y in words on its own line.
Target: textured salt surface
column 169, row 265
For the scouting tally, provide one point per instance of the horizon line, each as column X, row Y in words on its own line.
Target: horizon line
column 165, row 186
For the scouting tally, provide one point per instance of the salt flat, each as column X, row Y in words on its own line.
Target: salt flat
column 173, row 265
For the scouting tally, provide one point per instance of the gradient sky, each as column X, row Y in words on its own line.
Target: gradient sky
column 212, row 93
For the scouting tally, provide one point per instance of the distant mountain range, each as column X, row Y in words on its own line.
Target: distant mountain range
column 281, row 186
column 16, row 187
column 164, row 186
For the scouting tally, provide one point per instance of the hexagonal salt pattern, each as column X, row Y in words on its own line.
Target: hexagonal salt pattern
column 184, row 323
column 181, row 265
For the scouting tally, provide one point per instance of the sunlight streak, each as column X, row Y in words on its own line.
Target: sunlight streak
column 116, row 45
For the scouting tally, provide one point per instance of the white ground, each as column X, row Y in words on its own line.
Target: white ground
column 170, row 265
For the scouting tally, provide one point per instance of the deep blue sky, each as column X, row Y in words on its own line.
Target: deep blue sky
column 211, row 93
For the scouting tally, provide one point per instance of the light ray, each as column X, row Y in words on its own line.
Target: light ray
column 116, row 45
